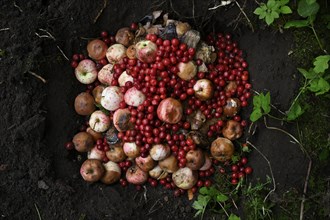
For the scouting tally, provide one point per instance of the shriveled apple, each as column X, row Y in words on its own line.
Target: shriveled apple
column 187, row 71
column 84, row 104
column 116, row 53
column 112, row 173
column 97, row 93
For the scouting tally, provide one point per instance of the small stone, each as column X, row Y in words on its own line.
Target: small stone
column 42, row 185
column 166, row 198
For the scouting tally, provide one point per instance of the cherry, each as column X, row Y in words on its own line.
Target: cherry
column 248, row 170
column 69, row 145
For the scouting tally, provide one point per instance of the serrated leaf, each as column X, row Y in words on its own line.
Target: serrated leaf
column 222, row 198
column 294, row 112
column 305, row 9
column 296, row 24
column 255, row 115
column 269, row 19
column 321, row 63
column 258, row 11
column 233, row 217
column 319, row 86
column 265, row 103
column 285, row 10
column 307, row 74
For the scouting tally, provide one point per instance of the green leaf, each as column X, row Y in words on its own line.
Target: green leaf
column 263, row 15
column 269, row 19
column 258, row 11
column 274, row 14
column 321, row 63
column 310, row 1
column 319, row 86
column 324, row 155
column 284, row 2
column 255, row 115
column 307, row 74
column 285, row 10
column 305, row 9
column 256, row 101
column 294, row 112
column 235, row 158
column 296, row 24
column 233, row 217
column 265, row 102
column 222, row 198
column 328, row 26
column 271, row 3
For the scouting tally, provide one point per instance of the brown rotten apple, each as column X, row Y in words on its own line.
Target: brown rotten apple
column 116, row 153
column 203, row 89
column 195, row 159
column 84, row 104
column 124, row 36
column 92, row 170
column 232, row 130
column 112, row 173
column 222, row 149
column 170, row 111
column 97, row 49
column 83, row 141
column 232, row 107
column 187, row 71
column 121, row 119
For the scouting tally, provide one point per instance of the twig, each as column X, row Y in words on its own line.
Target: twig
column 270, row 168
column 36, row 75
column 145, row 193
column 151, row 210
column 39, row 216
column 4, row 29
column 16, row 6
column 63, row 54
column 305, row 190
column 105, row 2
column 48, row 34
column 223, row 208
column 243, row 12
column 222, row 3
column 287, row 133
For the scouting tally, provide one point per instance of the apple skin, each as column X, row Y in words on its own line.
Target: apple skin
column 99, row 121
column 170, row 111
column 111, row 98
column 187, row 71
column 116, row 53
column 105, row 75
column 92, row 170
column 86, row 72
column 134, row 97
column 146, row 51
column 203, row 89
column 124, row 77
column 112, row 173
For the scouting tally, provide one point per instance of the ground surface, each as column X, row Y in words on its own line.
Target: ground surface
column 37, row 173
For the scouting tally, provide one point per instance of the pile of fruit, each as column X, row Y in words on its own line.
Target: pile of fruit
column 162, row 105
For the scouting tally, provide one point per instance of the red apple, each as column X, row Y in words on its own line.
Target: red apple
column 170, row 111
column 146, row 51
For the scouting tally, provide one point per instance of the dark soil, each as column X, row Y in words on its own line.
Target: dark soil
column 38, row 174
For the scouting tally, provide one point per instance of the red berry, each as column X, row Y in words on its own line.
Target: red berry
column 248, row 170
column 74, row 64
column 69, row 145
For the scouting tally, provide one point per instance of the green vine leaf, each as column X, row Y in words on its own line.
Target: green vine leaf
column 307, row 74
column 319, row 86
column 296, row 24
column 285, row 10
column 255, row 115
column 233, row 217
column 321, row 63
column 305, row 10
column 265, row 102
column 294, row 112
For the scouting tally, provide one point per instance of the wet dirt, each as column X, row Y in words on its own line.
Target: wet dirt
column 38, row 175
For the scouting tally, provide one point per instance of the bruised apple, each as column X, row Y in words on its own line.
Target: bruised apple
column 136, row 176
column 170, row 111
column 97, row 93
column 84, row 104
column 83, row 141
column 95, row 135
column 134, row 97
column 222, row 149
column 146, row 51
column 145, row 163
column 185, row 178
column 187, row 71
column 121, row 119
column 116, row 153
column 116, row 53
column 124, row 36
column 232, row 130
column 111, row 98
column 105, row 75
column 92, row 170
column 97, row 49
column 169, row 164
column 195, row 159
column 112, row 173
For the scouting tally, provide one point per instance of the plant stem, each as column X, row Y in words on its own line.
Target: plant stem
column 317, row 39
column 276, row 118
column 223, row 208
column 300, row 92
